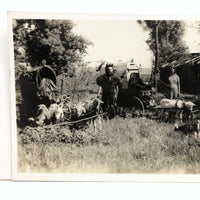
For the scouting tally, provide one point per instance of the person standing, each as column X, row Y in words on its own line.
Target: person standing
column 174, row 82
column 109, row 87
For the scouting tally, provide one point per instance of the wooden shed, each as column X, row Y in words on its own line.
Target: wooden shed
column 188, row 69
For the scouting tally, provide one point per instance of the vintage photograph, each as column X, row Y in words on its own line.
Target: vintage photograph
column 106, row 96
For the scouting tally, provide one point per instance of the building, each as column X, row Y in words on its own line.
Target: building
column 188, row 69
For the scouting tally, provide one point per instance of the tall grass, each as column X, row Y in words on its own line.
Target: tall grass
column 130, row 145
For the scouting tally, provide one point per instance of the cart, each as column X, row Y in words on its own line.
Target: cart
column 133, row 94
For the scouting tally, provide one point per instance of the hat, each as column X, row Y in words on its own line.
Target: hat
column 109, row 65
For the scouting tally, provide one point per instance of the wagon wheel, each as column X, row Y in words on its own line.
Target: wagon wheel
column 137, row 105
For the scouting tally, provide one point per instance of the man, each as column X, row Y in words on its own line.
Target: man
column 174, row 82
column 109, row 86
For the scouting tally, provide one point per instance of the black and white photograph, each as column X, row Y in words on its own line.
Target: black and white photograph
column 105, row 95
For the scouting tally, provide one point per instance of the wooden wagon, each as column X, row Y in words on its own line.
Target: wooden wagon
column 134, row 94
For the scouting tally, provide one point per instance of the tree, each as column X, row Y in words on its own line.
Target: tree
column 50, row 40
column 170, row 39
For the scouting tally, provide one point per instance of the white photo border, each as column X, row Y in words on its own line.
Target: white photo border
column 70, row 176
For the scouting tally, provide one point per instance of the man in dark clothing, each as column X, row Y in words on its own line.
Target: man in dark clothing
column 109, row 86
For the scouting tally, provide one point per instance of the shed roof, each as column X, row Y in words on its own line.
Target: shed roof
column 189, row 60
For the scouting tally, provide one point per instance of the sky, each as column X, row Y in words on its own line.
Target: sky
column 192, row 36
column 116, row 40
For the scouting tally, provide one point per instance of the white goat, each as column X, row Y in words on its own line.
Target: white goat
column 56, row 112
column 171, row 103
column 43, row 115
column 80, row 107
column 177, row 106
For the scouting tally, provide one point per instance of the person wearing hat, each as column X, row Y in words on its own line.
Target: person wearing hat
column 174, row 82
column 109, row 87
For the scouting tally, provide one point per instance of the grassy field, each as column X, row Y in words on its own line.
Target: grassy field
column 124, row 145
column 129, row 145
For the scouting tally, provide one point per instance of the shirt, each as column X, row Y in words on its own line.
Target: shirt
column 108, row 83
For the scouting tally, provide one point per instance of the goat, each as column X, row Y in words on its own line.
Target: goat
column 176, row 106
column 189, row 128
column 93, row 105
column 88, row 106
column 80, row 107
column 43, row 115
column 56, row 112
column 171, row 103
column 188, row 109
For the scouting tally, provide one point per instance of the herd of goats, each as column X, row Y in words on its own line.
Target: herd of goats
column 63, row 111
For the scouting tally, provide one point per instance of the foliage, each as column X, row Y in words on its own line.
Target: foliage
column 50, row 40
column 80, row 86
column 170, row 39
